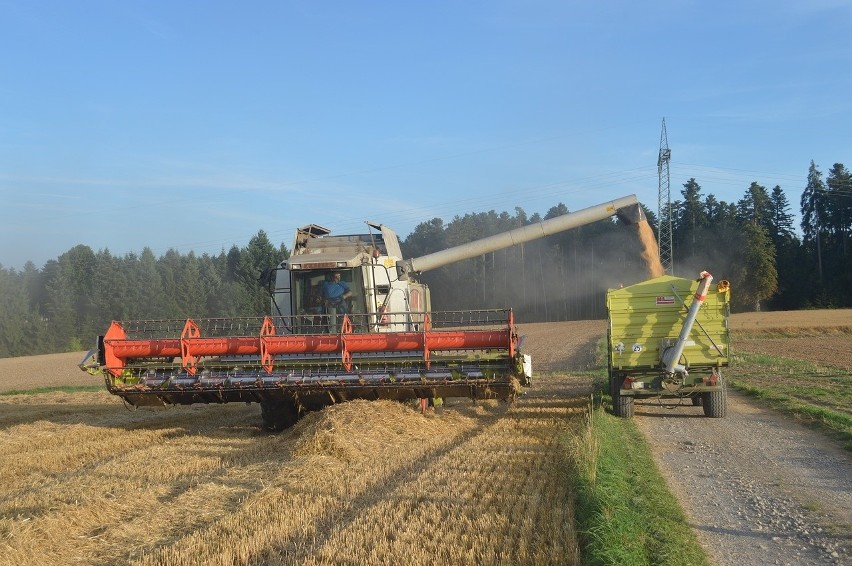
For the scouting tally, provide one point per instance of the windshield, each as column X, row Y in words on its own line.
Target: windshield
column 321, row 292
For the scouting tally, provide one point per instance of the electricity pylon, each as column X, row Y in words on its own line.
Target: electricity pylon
column 664, row 204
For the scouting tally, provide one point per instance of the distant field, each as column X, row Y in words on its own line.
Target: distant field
column 818, row 336
column 48, row 370
column 798, row 320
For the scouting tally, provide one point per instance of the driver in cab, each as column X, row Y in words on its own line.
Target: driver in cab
column 335, row 292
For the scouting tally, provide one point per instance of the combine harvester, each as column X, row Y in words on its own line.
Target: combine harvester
column 378, row 340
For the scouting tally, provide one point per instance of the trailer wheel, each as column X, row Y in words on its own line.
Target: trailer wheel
column 278, row 415
column 716, row 402
column 622, row 405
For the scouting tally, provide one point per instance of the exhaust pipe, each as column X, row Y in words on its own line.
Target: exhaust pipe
column 632, row 214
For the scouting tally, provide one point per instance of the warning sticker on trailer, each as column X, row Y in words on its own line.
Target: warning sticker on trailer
column 666, row 300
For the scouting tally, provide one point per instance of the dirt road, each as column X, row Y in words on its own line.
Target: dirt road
column 758, row 488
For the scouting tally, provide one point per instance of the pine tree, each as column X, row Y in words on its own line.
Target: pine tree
column 813, row 211
column 792, row 269
column 755, row 206
column 256, row 259
column 147, row 280
column 839, row 207
column 759, row 278
column 781, row 220
column 690, row 220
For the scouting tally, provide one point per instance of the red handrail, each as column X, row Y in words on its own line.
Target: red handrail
column 191, row 346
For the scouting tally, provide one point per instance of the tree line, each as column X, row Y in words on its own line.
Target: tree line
column 68, row 303
column 752, row 243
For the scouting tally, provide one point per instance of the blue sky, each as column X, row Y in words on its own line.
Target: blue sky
column 192, row 125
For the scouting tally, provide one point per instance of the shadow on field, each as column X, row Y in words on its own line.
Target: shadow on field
column 391, row 487
column 338, row 518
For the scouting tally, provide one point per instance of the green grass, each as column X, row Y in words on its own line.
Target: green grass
column 625, row 513
column 817, row 395
column 60, row 389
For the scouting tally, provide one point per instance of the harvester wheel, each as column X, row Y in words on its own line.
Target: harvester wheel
column 716, row 402
column 696, row 400
column 278, row 415
column 622, row 405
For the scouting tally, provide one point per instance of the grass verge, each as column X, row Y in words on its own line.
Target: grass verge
column 817, row 395
column 625, row 513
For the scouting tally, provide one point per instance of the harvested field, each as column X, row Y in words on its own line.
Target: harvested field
column 49, row 370
column 562, row 346
column 818, row 336
column 833, row 350
column 88, row 482
column 796, row 321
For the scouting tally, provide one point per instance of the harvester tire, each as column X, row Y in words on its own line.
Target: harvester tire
column 278, row 415
column 622, row 405
column 716, row 402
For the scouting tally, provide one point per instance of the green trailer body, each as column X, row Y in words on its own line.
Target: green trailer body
column 646, row 321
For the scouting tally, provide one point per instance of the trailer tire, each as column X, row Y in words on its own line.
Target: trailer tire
column 715, row 403
column 622, row 405
column 278, row 415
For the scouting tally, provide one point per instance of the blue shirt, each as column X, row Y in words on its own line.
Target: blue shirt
column 334, row 289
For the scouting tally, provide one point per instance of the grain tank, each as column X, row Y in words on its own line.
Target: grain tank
column 668, row 338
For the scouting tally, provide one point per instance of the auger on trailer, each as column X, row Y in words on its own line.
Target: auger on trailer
column 348, row 321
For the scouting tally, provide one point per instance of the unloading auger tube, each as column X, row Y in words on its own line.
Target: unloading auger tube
column 627, row 208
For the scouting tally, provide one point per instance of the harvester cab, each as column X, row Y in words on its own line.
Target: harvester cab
column 328, row 276
column 349, row 320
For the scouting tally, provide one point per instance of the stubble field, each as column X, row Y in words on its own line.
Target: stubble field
column 86, row 481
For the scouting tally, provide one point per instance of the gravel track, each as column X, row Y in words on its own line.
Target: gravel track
column 757, row 487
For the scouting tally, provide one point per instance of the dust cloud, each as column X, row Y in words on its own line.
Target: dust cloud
column 563, row 278
column 650, row 250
